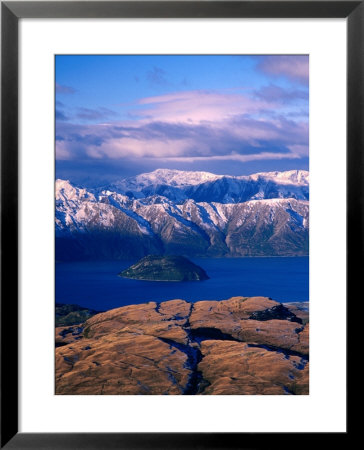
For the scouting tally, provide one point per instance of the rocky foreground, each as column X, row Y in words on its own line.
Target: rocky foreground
column 238, row 346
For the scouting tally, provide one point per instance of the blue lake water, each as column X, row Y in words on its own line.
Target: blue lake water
column 96, row 284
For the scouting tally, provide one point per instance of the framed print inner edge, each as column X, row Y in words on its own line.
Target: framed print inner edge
column 11, row 13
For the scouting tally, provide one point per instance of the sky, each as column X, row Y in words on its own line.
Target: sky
column 121, row 115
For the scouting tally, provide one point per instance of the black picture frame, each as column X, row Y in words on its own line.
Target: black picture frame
column 11, row 12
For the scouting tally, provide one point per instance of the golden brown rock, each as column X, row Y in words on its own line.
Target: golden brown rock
column 275, row 333
column 237, row 346
column 237, row 317
column 125, row 364
column 163, row 320
column 302, row 346
column 66, row 335
column 232, row 310
column 237, row 368
column 300, row 309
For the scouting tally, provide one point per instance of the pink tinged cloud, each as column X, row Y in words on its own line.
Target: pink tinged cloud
column 253, row 133
column 300, row 150
column 198, row 107
column 142, row 148
column 218, row 116
column 294, row 67
column 63, row 150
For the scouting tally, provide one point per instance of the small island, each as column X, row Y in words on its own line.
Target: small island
column 165, row 268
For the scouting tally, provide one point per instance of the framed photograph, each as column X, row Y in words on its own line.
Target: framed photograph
column 181, row 201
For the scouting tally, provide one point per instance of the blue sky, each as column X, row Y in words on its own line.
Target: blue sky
column 122, row 115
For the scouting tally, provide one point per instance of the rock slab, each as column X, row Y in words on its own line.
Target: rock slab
column 239, row 346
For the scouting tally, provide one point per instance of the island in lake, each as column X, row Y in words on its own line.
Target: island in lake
column 165, row 268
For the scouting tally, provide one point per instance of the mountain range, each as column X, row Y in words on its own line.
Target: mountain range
column 185, row 213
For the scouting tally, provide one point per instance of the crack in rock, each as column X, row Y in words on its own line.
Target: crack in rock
column 286, row 352
column 190, row 343
column 195, row 383
column 208, row 333
column 278, row 312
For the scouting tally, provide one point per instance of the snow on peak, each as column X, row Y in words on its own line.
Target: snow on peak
column 169, row 177
column 177, row 186
column 66, row 191
column 296, row 177
column 184, row 178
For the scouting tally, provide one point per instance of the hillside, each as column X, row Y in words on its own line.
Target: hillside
column 240, row 346
column 204, row 215
column 72, row 314
column 165, row 268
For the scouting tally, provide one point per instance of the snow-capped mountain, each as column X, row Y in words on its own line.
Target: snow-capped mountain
column 180, row 185
column 176, row 178
column 109, row 223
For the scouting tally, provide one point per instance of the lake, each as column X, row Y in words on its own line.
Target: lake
column 96, row 285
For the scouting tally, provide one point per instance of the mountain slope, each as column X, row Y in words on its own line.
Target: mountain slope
column 179, row 186
column 108, row 224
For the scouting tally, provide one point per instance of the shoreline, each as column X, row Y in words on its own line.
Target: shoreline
column 191, row 257
column 96, row 284
column 302, row 306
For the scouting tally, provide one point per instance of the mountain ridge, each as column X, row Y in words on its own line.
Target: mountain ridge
column 109, row 224
column 180, row 185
